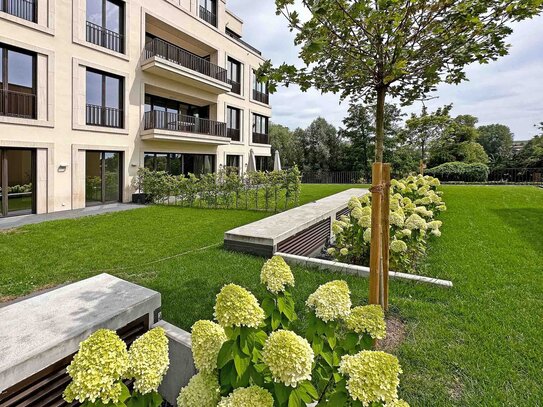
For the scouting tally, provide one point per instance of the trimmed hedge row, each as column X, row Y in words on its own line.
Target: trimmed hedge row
column 460, row 172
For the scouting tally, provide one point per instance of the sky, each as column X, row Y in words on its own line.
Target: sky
column 508, row 91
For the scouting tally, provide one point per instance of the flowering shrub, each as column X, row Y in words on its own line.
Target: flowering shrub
column 102, row 362
column 414, row 203
column 263, row 363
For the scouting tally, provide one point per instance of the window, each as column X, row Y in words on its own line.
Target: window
column 104, row 94
column 234, row 75
column 262, row 163
column 260, row 90
column 233, row 123
column 105, row 24
column 208, row 11
column 260, row 129
column 26, row 9
column 180, row 164
column 17, row 83
column 233, row 164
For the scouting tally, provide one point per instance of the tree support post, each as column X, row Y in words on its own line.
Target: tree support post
column 376, row 235
column 386, row 236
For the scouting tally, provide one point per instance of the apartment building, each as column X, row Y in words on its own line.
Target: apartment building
column 92, row 90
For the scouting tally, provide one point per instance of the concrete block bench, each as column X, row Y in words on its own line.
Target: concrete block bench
column 39, row 336
column 299, row 231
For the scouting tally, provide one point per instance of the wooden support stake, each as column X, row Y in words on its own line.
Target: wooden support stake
column 421, row 167
column 376, row 237
column 386, row 235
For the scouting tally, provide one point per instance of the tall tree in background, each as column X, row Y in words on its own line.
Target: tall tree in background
column 423, row 129
column 288, row 144
column 360, row 131
column 497, row 140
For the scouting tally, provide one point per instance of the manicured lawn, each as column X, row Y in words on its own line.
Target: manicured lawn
column 478, row 344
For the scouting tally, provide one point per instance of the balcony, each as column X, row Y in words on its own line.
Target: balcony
column 25, row 9
column 104, row 116
column 160, row 125
column 105, row 38
column 208, row 16
column 173, row 62
column 234, row 134
column 260, row 138
column 17, row 104
column 236, row 86
column 261, row 97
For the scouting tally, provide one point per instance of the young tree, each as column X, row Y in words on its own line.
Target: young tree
column 288, row 145
column 497, row 140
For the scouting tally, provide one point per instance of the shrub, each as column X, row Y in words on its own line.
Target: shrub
column 331, row 362
column 414, row 203
column 460, row 172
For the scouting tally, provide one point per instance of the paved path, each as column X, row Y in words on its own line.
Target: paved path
column 18, row 221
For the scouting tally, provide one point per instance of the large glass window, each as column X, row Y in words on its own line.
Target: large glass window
column 233, row 121
column 178, row 163
column 233, row 163
column 208, row 11
column 17, row 82
column 102, row 177
column 26, row 9
column 260, row 129
column 260, row 90
column 105, row 24
column 234, row 75
column 104, row 95
column 17, row 181
column 262, row 163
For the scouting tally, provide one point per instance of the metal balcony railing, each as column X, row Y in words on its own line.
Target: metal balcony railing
column 103, row 37
column 25, row 9
column 208, row 16
column 260, row 138
column 17, row 104
column 234, row 134
column 236, row 86
column 187, row 124
column 261, row 97
column 104, row 116
column 160, row 48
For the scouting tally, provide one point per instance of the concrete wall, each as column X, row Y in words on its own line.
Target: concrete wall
column 60, row 131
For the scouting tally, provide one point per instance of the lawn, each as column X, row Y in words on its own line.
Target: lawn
column 477, row 344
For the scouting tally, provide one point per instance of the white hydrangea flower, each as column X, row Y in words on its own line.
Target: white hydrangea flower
column 367, row 235
column 203, row 390
column 252, row 396
column 398, row 246
column 236, row 306
column 276, row 275
column 207, row 340
column 331, row 301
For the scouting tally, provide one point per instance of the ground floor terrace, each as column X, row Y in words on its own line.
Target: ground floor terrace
column 476, row 344
column 40, row 178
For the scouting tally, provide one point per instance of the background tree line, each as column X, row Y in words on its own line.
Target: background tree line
column 433, row 137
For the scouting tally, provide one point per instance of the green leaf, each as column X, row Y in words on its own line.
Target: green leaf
column 282, row 392
column 317, row 345
column 241, row 361
column 268, row 305
column 281, row 304
column 227, row 374
column 276, row 319
column 308, row 387
column 338, row 398
column 350, row 341
column 225, row 354
column 125, row 393
column 294, row 399
column 328, row 357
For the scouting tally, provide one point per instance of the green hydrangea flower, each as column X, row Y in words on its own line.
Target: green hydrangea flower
column 289, row 357
column 415, row 222
column 354, row 202
column 203, row 390
column 149, row 360
column 331, row 301
column 97, row 368
column 398, row 246
column 368, row 319
column 253, row 396
column 373, row 376
column 367, row 235
column 236, row 306
column 397, row 403
column 365, row 221
column 397, row 218
column 276, row 275
column 344, row 251
column 207, row 340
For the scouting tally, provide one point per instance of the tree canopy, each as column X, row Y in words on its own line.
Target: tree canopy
column 497, row 140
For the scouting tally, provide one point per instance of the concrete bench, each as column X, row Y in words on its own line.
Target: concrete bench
column 300, row 231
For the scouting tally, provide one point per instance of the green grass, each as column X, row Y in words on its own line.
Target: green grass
column 477, row 344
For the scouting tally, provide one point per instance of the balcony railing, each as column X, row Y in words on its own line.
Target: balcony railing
column 234, row 134
column 17, row 104
column 181, row 123
column 179, row 56
column 103, row 37
column 260, row 138
column 261, row 97
column 208, row 16
column 104, row 116
column 26, row 9
column 236, row 86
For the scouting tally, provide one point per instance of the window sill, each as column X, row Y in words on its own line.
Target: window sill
column 235, row 95
column 102, row 49
column 256, row 102
column 26, row 122
column 100, row 129
column 26, row 23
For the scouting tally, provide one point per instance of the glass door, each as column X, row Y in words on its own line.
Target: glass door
column 17, row 174
column 102, row 177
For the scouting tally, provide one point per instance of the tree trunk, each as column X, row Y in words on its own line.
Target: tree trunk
column 380, row 124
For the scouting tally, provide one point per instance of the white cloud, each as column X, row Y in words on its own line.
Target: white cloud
column 508, row 91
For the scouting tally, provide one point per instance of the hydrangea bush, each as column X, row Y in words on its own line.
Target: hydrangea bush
column 263, row 362
column 103, row 361
column 414, row 204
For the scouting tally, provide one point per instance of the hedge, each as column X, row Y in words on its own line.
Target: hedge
column 460, row 172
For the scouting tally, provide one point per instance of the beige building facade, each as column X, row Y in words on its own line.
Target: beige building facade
column 92, row 90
